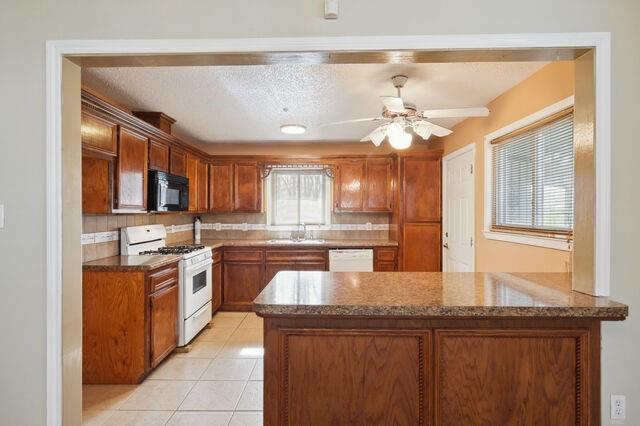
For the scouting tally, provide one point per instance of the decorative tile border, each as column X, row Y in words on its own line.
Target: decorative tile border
column 100, row 237
column 103, row 237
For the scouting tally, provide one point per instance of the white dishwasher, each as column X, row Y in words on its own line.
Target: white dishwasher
column 351, row 260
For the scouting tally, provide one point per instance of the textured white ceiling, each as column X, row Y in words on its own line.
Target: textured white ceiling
column 247, row 103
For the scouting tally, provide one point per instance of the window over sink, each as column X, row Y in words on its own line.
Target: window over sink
column 298, row 196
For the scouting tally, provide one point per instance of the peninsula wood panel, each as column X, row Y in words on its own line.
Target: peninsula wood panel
column 247, row 187
column 421, row 189
column 97, row 174
column 178, row 162
column 113, row 327
column 354, row 377
column 378, row 193
column 505, row 377
column 131, row 176
column 164, row 322
column 349, row 186
column 158, row 156
column 98, row 134
column 221, row 187
column 421, row 247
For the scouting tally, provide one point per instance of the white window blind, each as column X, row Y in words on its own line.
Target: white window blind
column 533, row 177
column 298, row 197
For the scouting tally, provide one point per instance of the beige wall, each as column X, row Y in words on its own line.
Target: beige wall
column 550, row 84
column 26, row 25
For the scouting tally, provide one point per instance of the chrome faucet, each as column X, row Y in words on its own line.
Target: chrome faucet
column 301, row 234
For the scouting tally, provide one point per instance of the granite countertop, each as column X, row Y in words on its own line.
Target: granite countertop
column 214, row 243
column 129, row 263
column 431, row 294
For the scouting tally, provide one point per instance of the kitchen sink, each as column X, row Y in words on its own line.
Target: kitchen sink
column 284, row 241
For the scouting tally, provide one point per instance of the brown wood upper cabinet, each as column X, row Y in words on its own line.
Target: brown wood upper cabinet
column 131, row 176
column 158, row 156
column 192, row 175
column 378, row 195
column 349, row 186
column 363, row 186
column 247, row 187
column 178, row 162
column 203, row 185
column 99, row 134
column 221, row 187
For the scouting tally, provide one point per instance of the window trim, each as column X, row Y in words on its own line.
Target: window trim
column 270, row 205
column 533, row 238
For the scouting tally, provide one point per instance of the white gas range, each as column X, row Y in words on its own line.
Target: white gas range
column 195, row 284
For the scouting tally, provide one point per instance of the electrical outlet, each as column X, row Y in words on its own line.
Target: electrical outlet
column 618, row 407
column 1, row 216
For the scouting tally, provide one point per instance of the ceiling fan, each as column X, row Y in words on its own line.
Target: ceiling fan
column 398, row 116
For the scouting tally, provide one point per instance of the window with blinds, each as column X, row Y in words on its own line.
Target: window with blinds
column 533, row 177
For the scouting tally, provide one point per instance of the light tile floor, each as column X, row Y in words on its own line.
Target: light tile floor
column 218, row 383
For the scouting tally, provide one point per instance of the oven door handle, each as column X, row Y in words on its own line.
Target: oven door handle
column 199, row 265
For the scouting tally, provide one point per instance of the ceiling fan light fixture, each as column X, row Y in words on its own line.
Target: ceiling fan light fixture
column 398, row 137
column 293, row 129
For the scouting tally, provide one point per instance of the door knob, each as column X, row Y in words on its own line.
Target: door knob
column 445, row 245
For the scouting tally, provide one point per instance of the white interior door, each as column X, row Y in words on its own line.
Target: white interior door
column 458, row 211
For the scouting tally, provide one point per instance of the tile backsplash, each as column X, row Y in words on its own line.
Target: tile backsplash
column 101, row 233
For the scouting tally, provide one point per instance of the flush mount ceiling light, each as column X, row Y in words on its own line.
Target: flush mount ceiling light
column 398, row 116
column 293, row 129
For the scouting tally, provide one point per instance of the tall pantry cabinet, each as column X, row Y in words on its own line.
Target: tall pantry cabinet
column 416, row 222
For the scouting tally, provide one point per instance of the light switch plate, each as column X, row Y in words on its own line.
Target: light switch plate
column 1, row 216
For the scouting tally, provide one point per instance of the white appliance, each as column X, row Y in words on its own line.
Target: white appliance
column 351, row 260
column 195, row 272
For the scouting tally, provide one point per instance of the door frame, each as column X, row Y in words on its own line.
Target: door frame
column 445, row 161
column 57, row 50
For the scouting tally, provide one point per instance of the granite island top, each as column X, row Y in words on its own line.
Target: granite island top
column 130, row 263
column 431, row 294
column 215, row 243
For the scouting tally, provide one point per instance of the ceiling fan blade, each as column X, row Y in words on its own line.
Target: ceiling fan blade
column 393, row 103
column 435, row 129
column 357, row 120
column 422, row 129
column 455, row 112
column 377, row 136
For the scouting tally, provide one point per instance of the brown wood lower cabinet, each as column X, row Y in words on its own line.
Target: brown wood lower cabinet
column 246, row 271
column 385, row 259
column 164, row 323
column 216, row 271
column 243, row 277
column 442, row 371
column 129, row 323
column 422, row 247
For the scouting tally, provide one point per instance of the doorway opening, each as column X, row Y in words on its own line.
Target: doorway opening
column 64, row 231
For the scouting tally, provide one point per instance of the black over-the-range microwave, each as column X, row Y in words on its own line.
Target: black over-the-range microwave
column 167, row 192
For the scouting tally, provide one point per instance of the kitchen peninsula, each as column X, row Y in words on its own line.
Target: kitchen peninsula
column 431, row 348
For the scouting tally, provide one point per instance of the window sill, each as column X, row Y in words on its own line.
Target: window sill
column 530, row 240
